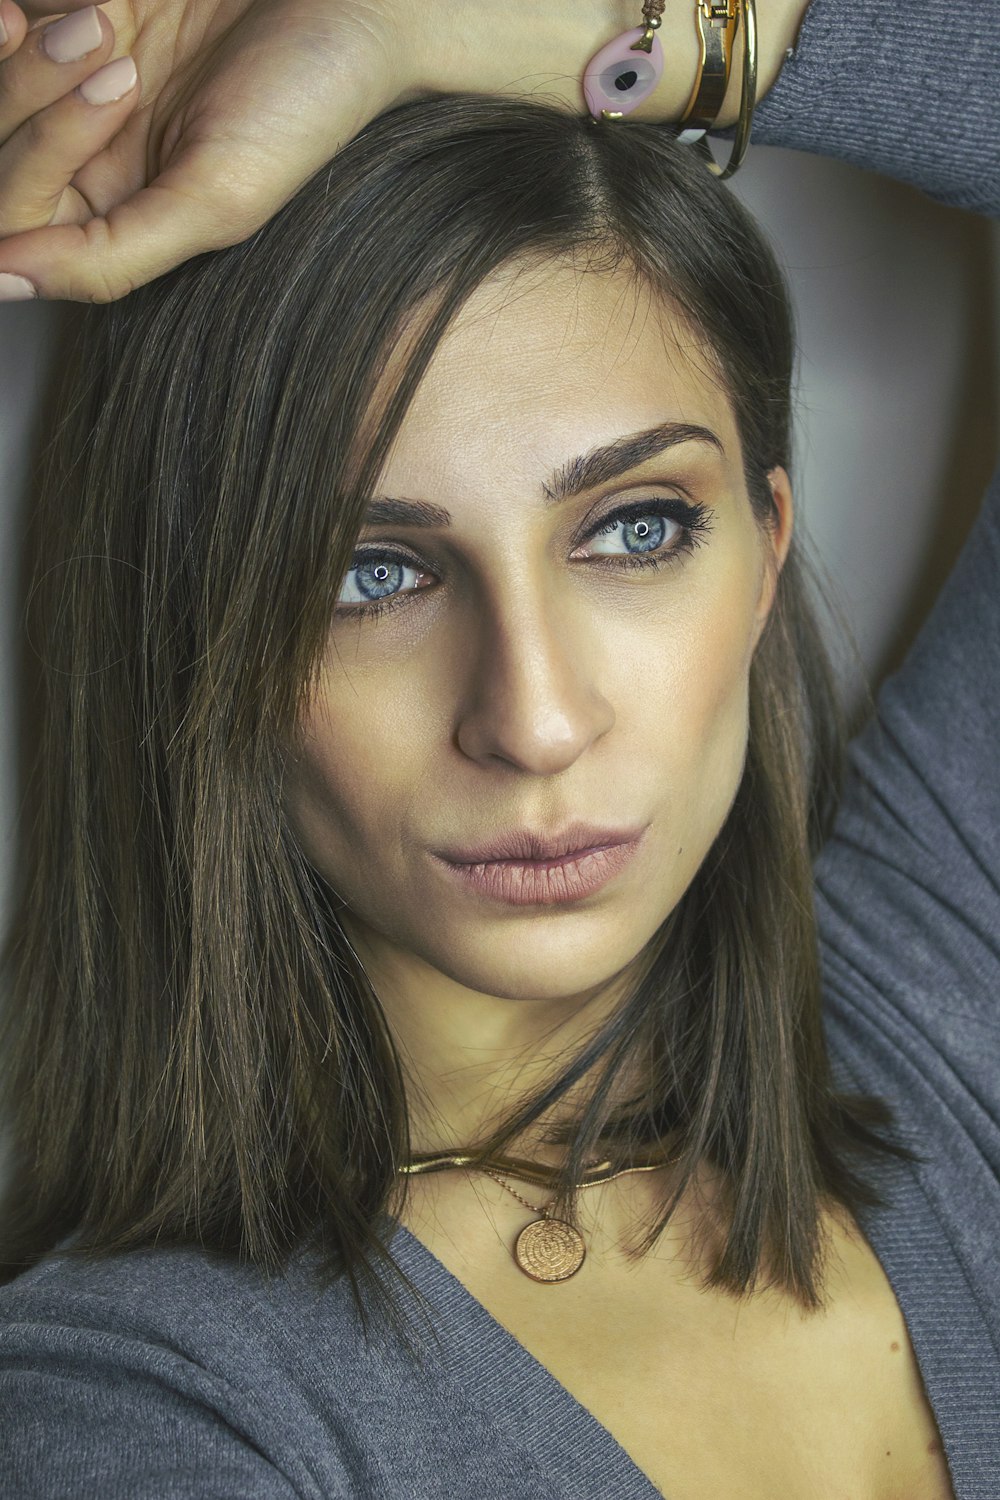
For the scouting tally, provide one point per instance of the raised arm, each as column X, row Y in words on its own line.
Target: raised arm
column 144, row 133
column 106, row 182
column 907, row 88
column 908, row 887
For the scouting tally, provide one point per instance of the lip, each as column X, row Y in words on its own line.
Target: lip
column 545, row 882
column 525, row 844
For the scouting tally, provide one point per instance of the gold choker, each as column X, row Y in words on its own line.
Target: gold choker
column 547, row 1249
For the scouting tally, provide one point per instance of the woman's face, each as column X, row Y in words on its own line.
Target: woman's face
column 526, row 676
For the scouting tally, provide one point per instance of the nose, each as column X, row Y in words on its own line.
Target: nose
column 532, row 697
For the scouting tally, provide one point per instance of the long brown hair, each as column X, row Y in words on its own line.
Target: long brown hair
column 191, row 1051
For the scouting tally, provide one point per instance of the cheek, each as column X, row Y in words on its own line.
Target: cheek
column 337, row 794
column 697, row 724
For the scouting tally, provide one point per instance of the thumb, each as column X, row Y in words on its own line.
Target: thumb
column 140, row 238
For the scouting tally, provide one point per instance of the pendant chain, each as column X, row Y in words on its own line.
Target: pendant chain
column 547, row 1249
column 514, row 1194
column 550, row 1249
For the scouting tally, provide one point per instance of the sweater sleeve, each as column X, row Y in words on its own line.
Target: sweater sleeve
column 91, row 1404
column 908, row 886
column 907, row 88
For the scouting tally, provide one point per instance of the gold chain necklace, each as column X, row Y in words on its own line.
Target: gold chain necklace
column 547, row 1249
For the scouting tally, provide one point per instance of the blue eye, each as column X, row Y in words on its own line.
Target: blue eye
column 380, row 576
column 639, row 536
column 647, row 525
column 654, row 532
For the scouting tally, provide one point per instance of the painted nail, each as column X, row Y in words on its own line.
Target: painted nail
column 110, row 82
column 74, row 36
column 15, row 288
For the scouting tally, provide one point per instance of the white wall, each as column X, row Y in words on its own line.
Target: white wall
column 898, row 405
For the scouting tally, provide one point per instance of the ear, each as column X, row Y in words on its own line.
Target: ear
column 777, row 538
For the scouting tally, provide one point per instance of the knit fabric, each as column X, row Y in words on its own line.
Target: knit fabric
column 908, row 88
column 174, row 1373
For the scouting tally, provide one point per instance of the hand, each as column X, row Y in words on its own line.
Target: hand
column 238, row 102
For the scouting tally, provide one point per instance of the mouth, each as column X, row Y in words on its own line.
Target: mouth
column 526, row 844
column 549, row 879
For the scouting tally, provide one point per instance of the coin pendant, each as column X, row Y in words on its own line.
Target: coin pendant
column 549, row 1250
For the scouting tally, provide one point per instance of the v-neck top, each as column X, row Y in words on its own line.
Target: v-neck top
column 174, row 1372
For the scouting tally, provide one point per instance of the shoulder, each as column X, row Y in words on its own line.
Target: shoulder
column 180, row 1298
column 118, row 1371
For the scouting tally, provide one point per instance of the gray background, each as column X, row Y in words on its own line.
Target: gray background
column 897, row 415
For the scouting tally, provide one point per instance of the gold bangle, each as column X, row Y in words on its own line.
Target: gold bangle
column 717, row 23
column 748, row 94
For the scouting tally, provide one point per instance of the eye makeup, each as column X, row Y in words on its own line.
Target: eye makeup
column 678, row 527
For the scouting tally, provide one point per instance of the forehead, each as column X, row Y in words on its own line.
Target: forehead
column 546, row 360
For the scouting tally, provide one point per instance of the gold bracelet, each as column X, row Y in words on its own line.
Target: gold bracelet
column 707, row 98
column 717, row 23
column 748, row 94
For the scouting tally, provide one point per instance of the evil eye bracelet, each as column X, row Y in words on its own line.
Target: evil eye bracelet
column 625, row 71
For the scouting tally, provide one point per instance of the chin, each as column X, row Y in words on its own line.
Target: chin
column 539, row 965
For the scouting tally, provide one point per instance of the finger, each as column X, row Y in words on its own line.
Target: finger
column 50, row 63
column 142, row 237
column 39, row 161
column 252, row 153
column 13, row 28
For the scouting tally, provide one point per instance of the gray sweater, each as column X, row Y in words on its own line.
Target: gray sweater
column 173, row 1373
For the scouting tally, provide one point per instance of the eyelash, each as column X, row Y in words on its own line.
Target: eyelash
column 694, row 522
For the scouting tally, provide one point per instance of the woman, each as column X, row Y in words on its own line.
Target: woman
column 388, row 555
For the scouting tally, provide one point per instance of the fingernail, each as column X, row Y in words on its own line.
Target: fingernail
column 74, row 36
column 110, row 82
column 15, row 288
column 3, row 33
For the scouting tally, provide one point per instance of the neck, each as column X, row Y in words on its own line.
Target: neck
column 470, row 1059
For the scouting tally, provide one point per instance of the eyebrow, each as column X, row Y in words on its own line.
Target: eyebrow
column 580, row 474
